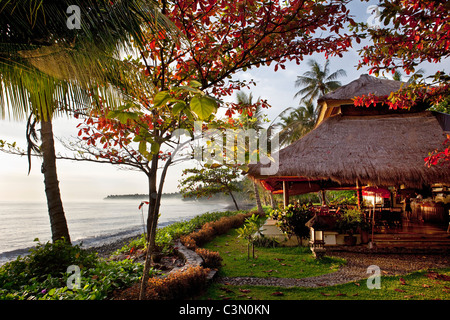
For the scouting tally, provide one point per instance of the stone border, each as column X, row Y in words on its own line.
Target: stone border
column 191, row 259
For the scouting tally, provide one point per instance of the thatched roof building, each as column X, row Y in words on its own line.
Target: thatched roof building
column 374, row 146
column 362, row 86
column 332, row 102
column 384, row 150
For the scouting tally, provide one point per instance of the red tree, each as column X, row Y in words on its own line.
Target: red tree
column 183, row 80
column 412, row 32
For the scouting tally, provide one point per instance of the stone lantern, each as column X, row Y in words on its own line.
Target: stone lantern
column 317, row 226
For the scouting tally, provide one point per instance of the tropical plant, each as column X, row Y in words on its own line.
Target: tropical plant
column 297, row 123
column 291, row 220
column 42, row 275
column 251, row 121
column 249, row 231
column 318, row 81
column 398, row 76
column 342, row 197
column 207, row 181
column 352, row 221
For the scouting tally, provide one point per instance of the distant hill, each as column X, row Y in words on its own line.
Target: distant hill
column 141, row 196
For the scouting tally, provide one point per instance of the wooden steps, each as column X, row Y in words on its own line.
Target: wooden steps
column 412, row 240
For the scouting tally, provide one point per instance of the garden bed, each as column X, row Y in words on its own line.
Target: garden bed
column 42, row 274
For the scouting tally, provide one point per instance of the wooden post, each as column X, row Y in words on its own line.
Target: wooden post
column 359, row 193
column 285, row 193
column 324, row 202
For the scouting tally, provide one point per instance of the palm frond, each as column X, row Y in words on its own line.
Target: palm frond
column 43, row 62
column 102, row 22
column 317, row 81
column 337, row 74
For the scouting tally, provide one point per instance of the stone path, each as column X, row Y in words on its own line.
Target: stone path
column 355, row 269
column 191, row 259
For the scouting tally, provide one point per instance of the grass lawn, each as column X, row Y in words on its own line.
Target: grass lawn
column 282, row 262
column 297, row 262
column 415, row 286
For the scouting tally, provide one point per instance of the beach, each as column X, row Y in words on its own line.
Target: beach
column 103, row 224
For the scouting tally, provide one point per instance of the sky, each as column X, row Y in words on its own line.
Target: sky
column 83, row 181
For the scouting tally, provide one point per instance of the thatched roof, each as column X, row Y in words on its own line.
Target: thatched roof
column 384, row 150
column 364, row 85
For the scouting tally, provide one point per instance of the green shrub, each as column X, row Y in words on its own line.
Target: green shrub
column 265, row 242
column 352, row 221
column 165, row 235
column 45, row 261
column 211, row 229
column 42, row 275
column 99, row 282
column 292, row 219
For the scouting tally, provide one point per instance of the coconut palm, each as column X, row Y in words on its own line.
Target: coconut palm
column 398, row 76
column 47, row 68
column 251, row 122
column 297, row 123
column 317, row 81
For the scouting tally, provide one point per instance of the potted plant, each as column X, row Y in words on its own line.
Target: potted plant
column 350, row 222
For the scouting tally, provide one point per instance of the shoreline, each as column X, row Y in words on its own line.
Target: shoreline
column 105, row 249
column 105, row 245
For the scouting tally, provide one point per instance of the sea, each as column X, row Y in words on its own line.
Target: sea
column 90, row 223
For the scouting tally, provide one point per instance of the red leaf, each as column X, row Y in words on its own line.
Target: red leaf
column 244, row 290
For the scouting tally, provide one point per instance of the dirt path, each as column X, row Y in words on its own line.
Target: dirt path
column 355, row 269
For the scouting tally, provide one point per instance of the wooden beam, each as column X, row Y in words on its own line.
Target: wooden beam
column 286, row 193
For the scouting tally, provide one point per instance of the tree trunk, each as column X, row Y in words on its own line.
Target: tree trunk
column 258, row 199
column 152, row 200
column 154, row 213
column 55, row 208
column 152, row 221
column 234, row 200
column 272, row 201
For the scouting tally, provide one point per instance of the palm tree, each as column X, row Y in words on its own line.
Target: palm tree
column 297, row 123
column 315, row 82
column 47, row 68
column 398, row 76
column 318, row 81
column 251, row 122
